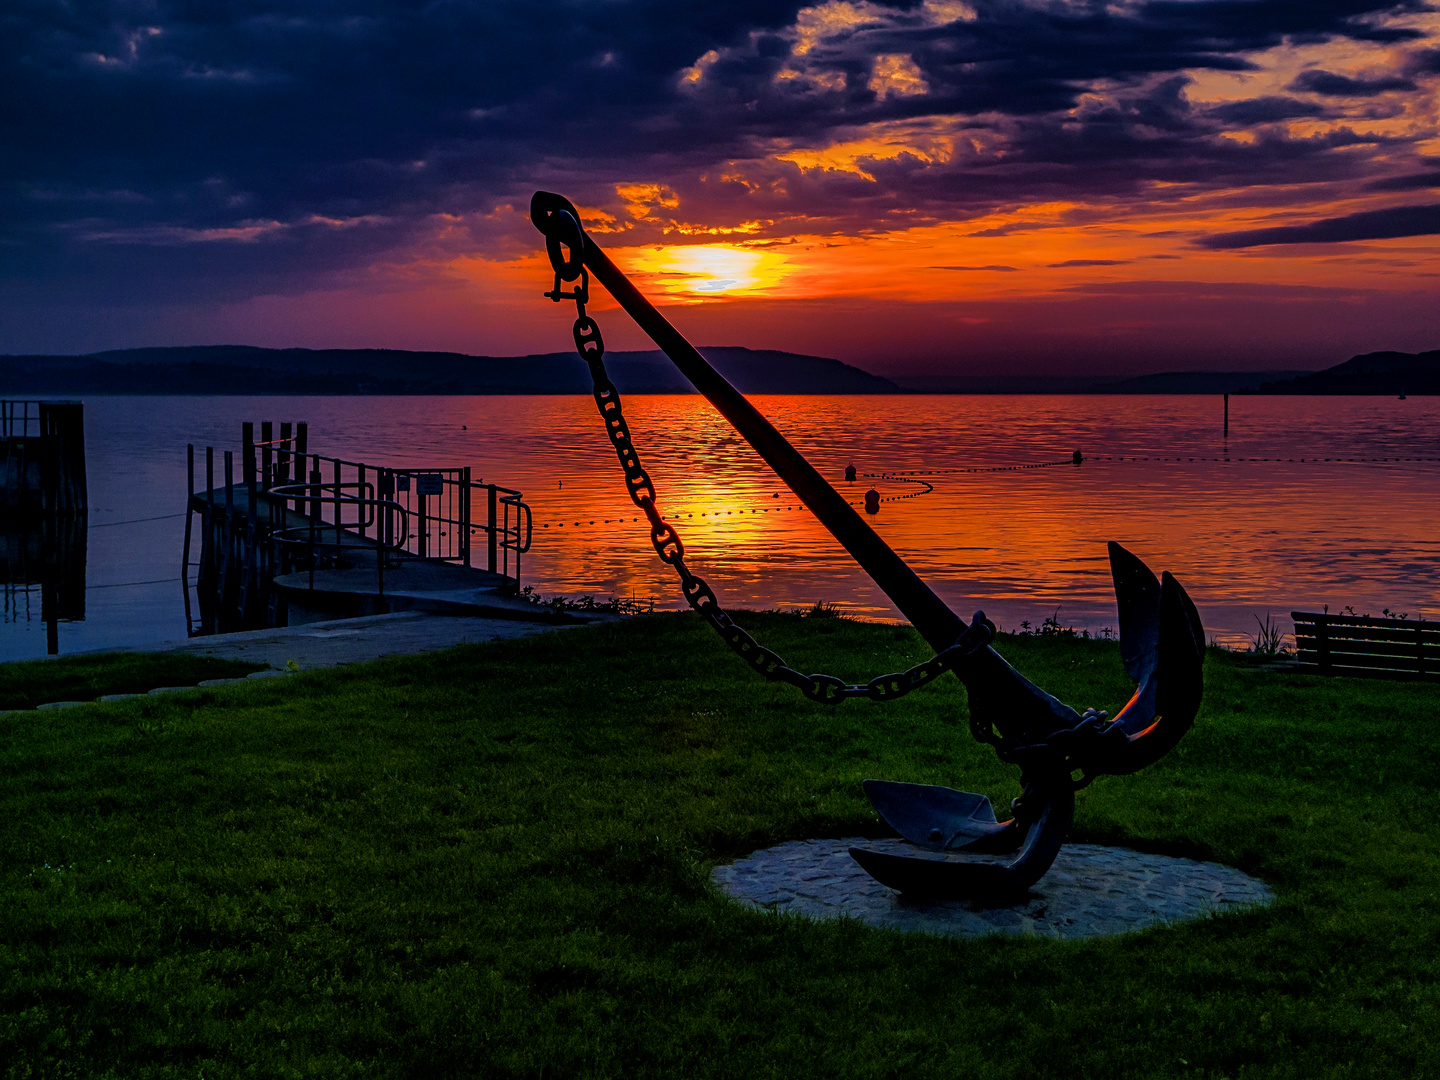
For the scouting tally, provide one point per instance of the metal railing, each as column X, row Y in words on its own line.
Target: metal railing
column 440, row 501
column 274, row 519
column 311, row 539
column 19, row 419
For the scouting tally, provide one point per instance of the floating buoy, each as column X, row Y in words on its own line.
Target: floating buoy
column 872, row 501
column 1077, row 457
column 849, row 472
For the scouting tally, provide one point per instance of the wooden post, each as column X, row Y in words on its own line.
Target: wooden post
column 247, row 457
column 267, row 436
column 464, row 514
column 189, row 513
column 62, row 456
column 51, row 616
column 227, row 534
column 282, row 465
column 252, row 584
column 302, row 431
column 229, row 483
column 490, row 506
column 206, row 573
column 336, row 514
column 314, row 518
column 1227, row 416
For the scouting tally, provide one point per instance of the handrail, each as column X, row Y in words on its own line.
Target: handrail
column 303, row 491
column 314, row 497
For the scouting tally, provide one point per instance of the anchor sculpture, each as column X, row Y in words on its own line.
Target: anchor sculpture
column 955, row 834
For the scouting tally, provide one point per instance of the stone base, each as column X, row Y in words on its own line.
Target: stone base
column 1091, row 891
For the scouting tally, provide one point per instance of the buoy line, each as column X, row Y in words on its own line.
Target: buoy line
column 901, row 474
column 1228, row 459
column 911, row 476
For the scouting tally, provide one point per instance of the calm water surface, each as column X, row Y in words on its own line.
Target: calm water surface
column 1246, row 537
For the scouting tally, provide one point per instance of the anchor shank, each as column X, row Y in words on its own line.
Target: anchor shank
column 927, row 612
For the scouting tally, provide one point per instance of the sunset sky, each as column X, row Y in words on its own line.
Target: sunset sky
column 944, row 187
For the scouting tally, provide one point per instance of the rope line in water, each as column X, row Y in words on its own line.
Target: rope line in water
column 133, row 521
column 131, row 584
column 1275, row 460
column 906, row 475
column 903, row 473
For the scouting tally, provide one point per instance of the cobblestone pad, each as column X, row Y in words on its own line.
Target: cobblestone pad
column 1091, row 891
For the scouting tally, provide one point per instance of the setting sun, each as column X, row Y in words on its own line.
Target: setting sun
column 709, row 269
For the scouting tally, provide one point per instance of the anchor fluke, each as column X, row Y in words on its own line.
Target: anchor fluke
column 1162, row 648
column 939, row 875
column 939, row 818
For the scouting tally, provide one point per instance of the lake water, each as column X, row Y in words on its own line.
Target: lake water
column 1248, row 526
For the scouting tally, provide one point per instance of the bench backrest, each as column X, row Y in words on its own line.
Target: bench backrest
column 1360, row 645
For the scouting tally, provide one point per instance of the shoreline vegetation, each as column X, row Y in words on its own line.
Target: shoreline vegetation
column 236, row 369
column 494, row 860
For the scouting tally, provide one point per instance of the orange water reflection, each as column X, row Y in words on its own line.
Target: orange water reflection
column 1247, row 537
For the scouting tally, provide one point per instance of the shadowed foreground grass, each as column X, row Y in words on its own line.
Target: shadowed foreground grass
column 27, row 683
column 494, row 862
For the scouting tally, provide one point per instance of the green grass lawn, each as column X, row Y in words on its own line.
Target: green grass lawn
column 494, row 862
column 27, row 683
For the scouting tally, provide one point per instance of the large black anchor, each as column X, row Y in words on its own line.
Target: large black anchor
column 961, row 851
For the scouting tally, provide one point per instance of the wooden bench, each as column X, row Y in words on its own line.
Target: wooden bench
column 1360, row 645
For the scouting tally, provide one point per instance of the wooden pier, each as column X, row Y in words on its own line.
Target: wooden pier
column 43, row 512
column 42, row 456
column 288, row 536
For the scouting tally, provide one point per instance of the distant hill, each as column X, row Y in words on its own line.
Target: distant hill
column 243, row 369
column 1388, row 373
column 1168, row 382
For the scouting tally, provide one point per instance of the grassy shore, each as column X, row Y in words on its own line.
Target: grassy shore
column 494, row 861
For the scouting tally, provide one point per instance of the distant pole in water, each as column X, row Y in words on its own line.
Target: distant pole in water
column 1227, row 416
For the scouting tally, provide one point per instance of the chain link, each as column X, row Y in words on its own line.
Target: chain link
column 826, row 689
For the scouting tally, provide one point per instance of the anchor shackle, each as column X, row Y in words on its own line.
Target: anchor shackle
column 556, row 217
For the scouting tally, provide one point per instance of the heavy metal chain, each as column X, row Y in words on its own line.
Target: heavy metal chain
column 826, row 689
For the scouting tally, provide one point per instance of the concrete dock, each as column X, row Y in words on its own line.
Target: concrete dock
column 412, row 585
column 372, row 637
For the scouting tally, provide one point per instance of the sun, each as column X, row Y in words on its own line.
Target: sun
column 701, row 270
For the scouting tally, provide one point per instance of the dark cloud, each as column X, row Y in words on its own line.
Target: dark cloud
column 1006, row 269
column 1087, row 262
column 1409, row 182
column 1368, row 225
column 1012, row 227
column 1326, row 82
column 175, row 149
column 1265, row 110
